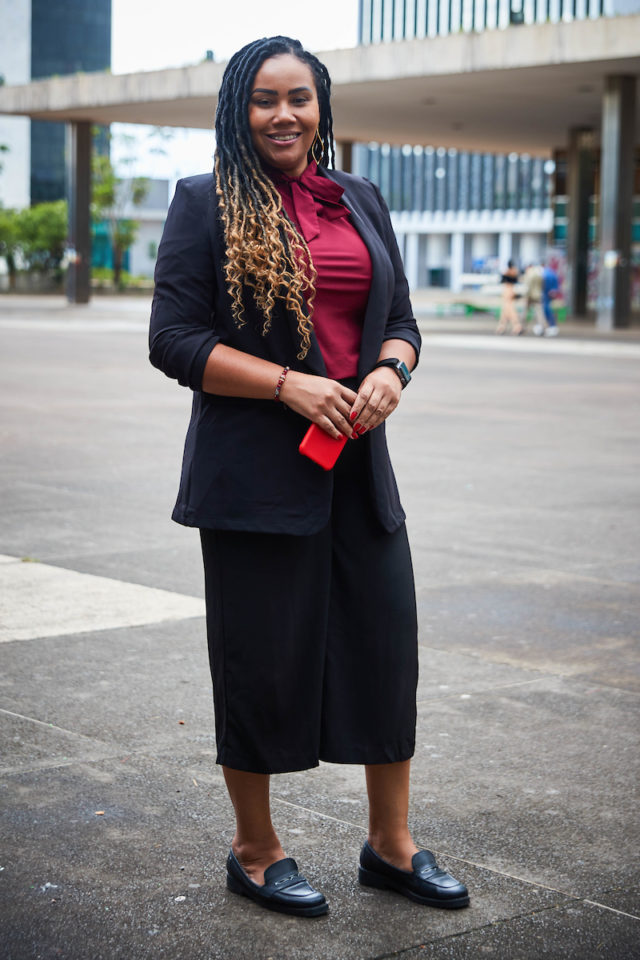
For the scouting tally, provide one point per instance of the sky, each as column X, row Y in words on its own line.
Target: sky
column 174, row 33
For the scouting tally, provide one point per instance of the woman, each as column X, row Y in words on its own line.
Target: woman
column 508, row 313
column 532, row 280
column 278, row 280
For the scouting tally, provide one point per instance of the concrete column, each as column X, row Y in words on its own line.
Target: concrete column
column 616, row 195
column 505, row 246
column 411, row 255
column 579, row 189
column 79, row 197
column 344, row 155
column 457, row 262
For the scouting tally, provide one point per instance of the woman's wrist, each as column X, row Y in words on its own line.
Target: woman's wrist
column 386, row 375
column 280, row 383
column 288, row 386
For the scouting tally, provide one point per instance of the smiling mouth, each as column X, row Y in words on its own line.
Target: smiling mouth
column 283, row 137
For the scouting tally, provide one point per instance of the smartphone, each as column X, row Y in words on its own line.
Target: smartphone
column 320, row 447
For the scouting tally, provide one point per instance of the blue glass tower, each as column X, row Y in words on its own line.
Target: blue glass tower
column 67, row 36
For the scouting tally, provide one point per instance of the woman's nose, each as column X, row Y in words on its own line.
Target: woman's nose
column 283, row 112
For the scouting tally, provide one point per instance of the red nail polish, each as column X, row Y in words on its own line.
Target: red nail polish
column 359, row 426
column 354, row 435
column 353, row 415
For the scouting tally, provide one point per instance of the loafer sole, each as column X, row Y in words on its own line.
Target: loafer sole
column 302, row 910
column 368, row 878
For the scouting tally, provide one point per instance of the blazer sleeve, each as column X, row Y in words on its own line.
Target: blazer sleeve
column 181, row 333
column 401, row 324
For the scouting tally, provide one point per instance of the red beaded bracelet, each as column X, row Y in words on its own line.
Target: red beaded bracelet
column 280, row 382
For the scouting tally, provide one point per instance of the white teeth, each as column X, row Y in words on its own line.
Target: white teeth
column 285, row 137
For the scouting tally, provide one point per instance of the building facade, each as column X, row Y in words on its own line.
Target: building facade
column 150, row 216
column 459, row 215
column 381, row 21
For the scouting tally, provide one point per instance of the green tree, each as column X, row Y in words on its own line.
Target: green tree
column 114, row 192
column 42, row 233
column 34, row 238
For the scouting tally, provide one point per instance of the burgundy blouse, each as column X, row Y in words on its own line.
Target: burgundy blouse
column 341, row 260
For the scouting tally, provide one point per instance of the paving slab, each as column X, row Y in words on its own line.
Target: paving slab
column 41, row 600
column 518, row 624
column 147, row 678
column 119, row 875
column 135, row 687
column 29, row 744
column 571, row 932
column 552, row 801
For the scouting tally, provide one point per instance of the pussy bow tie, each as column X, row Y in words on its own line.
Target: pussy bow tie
column 310, row 193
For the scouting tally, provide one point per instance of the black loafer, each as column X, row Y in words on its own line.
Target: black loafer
column 284, row 889
column 427, row 883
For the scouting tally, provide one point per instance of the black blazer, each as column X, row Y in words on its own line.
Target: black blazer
column 241, row 468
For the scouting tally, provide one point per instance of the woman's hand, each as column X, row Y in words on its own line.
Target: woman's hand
column 321, row 400
column 378, row 396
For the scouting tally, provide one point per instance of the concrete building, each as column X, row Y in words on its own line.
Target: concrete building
column 461, row 216
column 531, row 88
column 150, row 216
column 458, row 214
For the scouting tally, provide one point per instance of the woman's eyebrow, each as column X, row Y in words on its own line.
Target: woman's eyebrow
column 274, row 93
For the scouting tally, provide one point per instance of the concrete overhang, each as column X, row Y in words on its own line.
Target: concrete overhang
column 500, row 90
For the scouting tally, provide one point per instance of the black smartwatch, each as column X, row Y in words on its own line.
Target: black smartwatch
column 399, row 366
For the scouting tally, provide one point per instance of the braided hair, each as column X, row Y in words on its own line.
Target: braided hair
column 263, row 246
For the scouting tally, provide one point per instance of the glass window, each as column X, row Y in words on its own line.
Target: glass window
column 488, row 181
column 385, row 172
column 429, row 179
column 395, row 193
column 464, row 177
column 418, row 178
column 475, row 182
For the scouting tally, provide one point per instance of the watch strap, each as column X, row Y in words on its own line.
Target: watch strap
column 399, row 366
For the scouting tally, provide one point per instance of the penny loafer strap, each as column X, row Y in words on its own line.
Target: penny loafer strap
column 283, row 883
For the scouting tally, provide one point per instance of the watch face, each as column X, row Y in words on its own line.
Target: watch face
column 403, row 370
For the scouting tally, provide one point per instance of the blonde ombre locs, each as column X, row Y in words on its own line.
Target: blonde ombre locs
column 264, row 251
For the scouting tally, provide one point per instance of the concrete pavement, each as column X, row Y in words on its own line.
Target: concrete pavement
column 518, row 464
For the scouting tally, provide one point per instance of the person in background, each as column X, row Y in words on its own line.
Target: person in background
column 532, row 280
column 281, row 301
column 508, row 313
column 550, row 292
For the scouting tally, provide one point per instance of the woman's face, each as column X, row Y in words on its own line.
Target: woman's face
column 284, row 113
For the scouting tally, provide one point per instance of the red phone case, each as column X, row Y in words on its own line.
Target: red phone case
column 320, row 447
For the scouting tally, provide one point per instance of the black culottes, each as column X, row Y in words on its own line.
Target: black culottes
column 313, row 639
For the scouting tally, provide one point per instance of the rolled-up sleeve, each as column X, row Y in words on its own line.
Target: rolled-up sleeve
column 182, row 329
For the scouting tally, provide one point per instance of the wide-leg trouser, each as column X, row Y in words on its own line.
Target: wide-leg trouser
column 313, row 639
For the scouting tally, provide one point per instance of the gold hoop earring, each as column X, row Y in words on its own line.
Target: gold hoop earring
column 317, row 140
